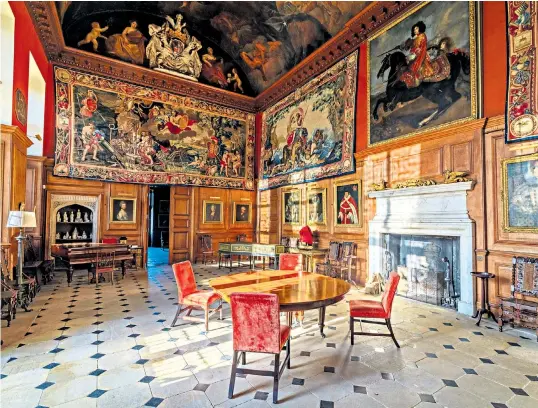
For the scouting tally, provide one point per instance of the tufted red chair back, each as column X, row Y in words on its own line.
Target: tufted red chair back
column 290, row 262
column 185, row 281
column 256, row 322
column 390, row 292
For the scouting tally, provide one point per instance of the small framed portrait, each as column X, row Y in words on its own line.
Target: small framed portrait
column 122, row 210
column 212, row 212
column 347, row 204
column 163, row 221
column 291, row 207
column 242, row 212
column 316, row 206
column 520, row 194
column 164, row 206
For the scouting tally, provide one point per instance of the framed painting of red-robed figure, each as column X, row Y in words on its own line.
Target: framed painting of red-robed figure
column 422, row 71
column 347, row 196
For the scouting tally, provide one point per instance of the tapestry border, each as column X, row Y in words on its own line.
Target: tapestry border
column 64, row 166
column 533, row 102
column 346, row 165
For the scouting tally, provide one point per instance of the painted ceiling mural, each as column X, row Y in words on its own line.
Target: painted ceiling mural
column 243, row 47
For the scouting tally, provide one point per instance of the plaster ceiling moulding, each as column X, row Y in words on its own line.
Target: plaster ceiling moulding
column 346, row 41
column 47, row 26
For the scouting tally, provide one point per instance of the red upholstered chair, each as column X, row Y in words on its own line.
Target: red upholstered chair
column 257, row 329
column 290, row 262
column 109, row 240
column 190, row 298
column 359, row 309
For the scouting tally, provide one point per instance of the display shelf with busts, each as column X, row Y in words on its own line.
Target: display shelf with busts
column 73, row 219
column 74, row 223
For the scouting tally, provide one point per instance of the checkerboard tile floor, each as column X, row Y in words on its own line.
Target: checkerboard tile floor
column 84, row 346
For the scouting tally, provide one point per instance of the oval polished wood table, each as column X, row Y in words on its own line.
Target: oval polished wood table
column 297, row 291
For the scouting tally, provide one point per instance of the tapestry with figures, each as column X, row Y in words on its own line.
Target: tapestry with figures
column 114, row 131
column 522, row 100
column 310, row 134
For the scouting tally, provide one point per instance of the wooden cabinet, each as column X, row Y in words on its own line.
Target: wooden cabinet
column 13, row 146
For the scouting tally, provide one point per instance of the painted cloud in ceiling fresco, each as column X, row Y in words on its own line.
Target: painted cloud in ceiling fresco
column 240, row 46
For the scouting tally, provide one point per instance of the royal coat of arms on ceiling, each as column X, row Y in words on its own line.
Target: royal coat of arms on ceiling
column 114, row 131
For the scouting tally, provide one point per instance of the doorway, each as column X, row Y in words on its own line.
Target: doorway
column 159, row 223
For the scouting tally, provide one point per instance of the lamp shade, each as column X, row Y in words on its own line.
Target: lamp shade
column 21, row 219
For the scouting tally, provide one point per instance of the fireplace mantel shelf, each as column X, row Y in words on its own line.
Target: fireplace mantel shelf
column 426, row 190
column 438, row 210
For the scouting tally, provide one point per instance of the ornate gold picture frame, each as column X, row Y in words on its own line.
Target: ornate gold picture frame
column 242, row 213
column 427, row 97
column 348, row 204
column 213, row 212
column 291, row 207
column 520, row 193
column 316, row 206
column 122, row 210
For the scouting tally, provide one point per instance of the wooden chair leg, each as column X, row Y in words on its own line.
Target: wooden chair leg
column 392, row 333
column 288, row 352
column 177, row 315
column 276, row 379
column 352, row 329
column 220, row 311
column 244, row 358
column 232, row 377
column 206, row 312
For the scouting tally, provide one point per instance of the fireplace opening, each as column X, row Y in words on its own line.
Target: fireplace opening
column 428, row 267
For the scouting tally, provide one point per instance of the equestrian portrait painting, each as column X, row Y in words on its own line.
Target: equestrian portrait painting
column 422, row 71
column 114, row 131
column 310, row 134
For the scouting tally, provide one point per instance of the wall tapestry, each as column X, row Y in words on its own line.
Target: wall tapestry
column 310, row 134
column 115, row 131
column 520, row 194
column 422, row 71
column 521, row 101
column 240, row 46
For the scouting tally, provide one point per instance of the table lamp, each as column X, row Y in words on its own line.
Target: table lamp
column 20, row 219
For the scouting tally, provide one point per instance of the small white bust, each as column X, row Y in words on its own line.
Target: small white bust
column 72, row 217
column 65, row 217
column 58, row 217
column 84, row 236
column 86, row 219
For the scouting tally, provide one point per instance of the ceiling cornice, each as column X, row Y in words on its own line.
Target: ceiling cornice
column 356, row 31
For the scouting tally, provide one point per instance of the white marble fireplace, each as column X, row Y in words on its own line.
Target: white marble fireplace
column 438, row 210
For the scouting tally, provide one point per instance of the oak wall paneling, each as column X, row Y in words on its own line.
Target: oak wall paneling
column 502, row 245
column 181, row 212
column 136, row 233
column 227, row 231
column 35, row 177
column 13, row 146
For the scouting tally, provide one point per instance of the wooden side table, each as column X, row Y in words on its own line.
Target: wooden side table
column 138, row 255
column 484, row 307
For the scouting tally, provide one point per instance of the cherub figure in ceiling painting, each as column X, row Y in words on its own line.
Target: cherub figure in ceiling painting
column 260, row 40
column 93, row 35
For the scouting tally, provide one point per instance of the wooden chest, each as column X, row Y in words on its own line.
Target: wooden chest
column 519, row 312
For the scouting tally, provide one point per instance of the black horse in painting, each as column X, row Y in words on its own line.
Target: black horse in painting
column 442, row 93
